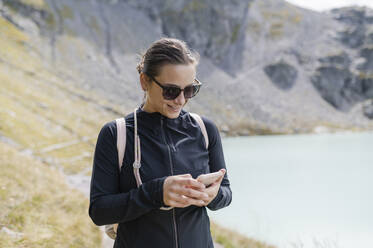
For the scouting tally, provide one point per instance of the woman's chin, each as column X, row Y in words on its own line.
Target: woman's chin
column 172, row 113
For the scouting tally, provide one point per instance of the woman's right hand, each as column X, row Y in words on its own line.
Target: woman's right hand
column 182, row 191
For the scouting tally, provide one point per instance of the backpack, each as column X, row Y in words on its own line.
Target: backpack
column 111, row 230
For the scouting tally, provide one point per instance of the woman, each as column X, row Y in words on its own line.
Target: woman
column 173, row 154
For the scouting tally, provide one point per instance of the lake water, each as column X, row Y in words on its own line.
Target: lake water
column 301, row 190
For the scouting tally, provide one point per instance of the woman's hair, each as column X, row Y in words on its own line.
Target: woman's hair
column 166, row 51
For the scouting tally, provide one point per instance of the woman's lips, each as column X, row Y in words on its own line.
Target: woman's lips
column 174, row 109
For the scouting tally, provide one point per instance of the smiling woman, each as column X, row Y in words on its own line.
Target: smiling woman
column 172, row 67
column 158, row 202
column 165, row 97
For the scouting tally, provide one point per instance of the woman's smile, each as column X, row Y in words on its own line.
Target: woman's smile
column 174, row 109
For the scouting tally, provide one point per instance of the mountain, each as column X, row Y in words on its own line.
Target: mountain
column 267, row 66
column 69, row 66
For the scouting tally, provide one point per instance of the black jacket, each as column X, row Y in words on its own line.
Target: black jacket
column 168, row 147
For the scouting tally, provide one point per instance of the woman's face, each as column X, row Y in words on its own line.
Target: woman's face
column 178, row 75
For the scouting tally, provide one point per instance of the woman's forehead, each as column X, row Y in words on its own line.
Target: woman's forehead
column 180, row 75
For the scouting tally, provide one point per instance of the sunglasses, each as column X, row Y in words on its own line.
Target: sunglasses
column 170, row 92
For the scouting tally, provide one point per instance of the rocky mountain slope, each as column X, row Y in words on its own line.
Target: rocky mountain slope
column 267, row 66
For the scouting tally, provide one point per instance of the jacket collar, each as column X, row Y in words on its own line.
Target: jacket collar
column 153, row 119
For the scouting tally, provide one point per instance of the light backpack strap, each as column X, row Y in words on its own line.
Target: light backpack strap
column 202, row 126
column 111, row 230
column 121, row 140
column 137, row 148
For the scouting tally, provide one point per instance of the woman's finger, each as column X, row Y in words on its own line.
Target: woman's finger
column 187, row 201
column 190, row 182
column 176, row 204
column 184, row 201
column 185, row 175
column 192, row 193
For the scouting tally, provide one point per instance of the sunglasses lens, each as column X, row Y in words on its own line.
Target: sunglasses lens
column 190, row 91
column 171, row 93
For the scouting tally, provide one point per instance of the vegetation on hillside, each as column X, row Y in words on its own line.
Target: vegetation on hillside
column 232, row 239
column 38, row 209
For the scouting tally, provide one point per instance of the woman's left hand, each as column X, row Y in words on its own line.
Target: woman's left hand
column 213, row 189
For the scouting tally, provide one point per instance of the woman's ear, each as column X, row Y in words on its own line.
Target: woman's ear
column 144, row 82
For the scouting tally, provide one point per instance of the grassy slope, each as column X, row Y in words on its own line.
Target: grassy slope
column 36, row 202
column 42, row 112
column 231, row 239
column 59, row 123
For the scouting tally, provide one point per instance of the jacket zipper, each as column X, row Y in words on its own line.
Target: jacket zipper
column 172, row 173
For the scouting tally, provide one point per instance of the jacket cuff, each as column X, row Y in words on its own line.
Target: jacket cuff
column 217, row 198
column 158, row 191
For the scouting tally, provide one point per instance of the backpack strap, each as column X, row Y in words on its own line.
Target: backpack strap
column 202, row 126
column 121, row 147
column 137, row 148
column 111, row 230
column 121, row 140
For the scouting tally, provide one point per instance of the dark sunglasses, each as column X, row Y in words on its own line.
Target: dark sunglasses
column 170, row 92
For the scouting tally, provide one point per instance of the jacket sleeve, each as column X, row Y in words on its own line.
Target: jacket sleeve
column 107, row 204
column 216, row 162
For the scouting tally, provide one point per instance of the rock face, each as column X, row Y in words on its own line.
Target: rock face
column 267, row 66
column 357, row 22
column 331, row 82
column 215, row 28
column 368, row 109
column 282, row 75
column 367, row 55
column 341, row 60
column 340, row 82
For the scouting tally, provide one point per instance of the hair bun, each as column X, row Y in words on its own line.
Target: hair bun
column 140, row 65
column 166, row 51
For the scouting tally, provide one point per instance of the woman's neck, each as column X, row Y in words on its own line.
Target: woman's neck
column 147, row 108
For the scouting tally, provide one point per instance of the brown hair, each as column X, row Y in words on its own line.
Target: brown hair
column 166, row 51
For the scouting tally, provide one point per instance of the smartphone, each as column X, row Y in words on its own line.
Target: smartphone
column 208, row 179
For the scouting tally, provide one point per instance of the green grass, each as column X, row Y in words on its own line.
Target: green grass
column 36, row 202
column 39, row 4
column 232, row 239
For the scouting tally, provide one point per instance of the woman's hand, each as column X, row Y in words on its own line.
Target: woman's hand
column 213, row 189
column 182, row 191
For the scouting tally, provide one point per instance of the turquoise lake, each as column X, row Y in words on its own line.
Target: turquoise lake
column 301, row 190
